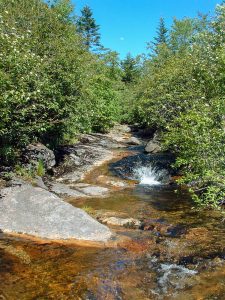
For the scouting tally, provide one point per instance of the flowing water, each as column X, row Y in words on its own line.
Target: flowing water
column 178, row 253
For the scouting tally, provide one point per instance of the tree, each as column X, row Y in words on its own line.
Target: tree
column 130, row 69
column 112, row 61
column 160, row 43
column 161, row 37
column 64, row 9
column 88, row 28
column 182, row 33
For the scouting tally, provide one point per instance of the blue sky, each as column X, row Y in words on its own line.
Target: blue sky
column 126, row 25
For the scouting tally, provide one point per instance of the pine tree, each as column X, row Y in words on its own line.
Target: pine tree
column 87, row 26
column 161, row 37
column 130, row 69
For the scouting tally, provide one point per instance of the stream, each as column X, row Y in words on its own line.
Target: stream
column 177, row 253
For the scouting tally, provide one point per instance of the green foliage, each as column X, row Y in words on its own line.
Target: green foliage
column 88, row 28
column 181, row 93
column 130, row 69
column 161, row 37
column 51, row 86
column 40, row 169
column 25, row 173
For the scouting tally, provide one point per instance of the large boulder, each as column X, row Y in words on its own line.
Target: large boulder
column 38, row 152
column 153, row 147
column 78, row 160
column 37, row 212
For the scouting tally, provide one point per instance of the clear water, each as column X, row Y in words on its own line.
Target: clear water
column 180, row 256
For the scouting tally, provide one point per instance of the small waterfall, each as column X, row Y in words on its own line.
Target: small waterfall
column 149, row 175
column 146, row 175
column 148, row 170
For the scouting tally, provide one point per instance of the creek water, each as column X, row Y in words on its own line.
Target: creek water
column 177, row 254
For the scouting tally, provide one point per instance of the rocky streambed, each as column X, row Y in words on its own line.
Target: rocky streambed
column 151, row 242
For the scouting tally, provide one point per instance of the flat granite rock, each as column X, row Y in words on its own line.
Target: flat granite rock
column 63, row 189
column 79, row 190
column 37, row 212
column 94, row 191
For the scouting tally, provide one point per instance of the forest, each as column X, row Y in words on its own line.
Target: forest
column 58, row 80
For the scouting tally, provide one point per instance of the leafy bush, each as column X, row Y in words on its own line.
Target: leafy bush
column 50, row 84
column 181, row 93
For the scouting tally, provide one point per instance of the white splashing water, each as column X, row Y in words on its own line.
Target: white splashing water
column 148, row 175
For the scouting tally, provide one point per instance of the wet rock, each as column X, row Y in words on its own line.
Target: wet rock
column 157, row 226
column 112, row 181
column 34, row 211
column 103, row 214
column 38, row 152
column 128, row 223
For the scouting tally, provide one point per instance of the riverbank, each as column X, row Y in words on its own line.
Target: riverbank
column 37, row 207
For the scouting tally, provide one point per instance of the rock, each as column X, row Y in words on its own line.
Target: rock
column 78, row 160
column 129, row 222
column 94, row 191
column 88, row 138
column 38, row 152
column 112, row 181
column 157, row 226
column 34, row 211
column 78, row 190
column 101, row 140
column 133, row 141
column 153, row 147
column 63, row 189
column 121, row 128
column 38, row 181
column 79, row 185
column 16, row 181
column 105, row 214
